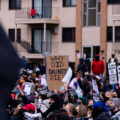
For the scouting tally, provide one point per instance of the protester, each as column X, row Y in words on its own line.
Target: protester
column 79, row 99
column 98, row 65
column 113, row 59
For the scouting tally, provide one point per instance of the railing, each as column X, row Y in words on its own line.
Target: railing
column 37, row 47
column 41, row 12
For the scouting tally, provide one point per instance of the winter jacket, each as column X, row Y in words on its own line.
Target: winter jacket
column 103, row 116
column 116, row 116
column 98, row 67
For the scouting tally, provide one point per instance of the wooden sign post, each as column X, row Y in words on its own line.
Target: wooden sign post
column 57, row 67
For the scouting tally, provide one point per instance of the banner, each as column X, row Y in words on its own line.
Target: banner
column 96, row 95
column 112, row 73
column 27, row 89
column 57, row 67
column 68, row 76
column 118, row 68
column 43, row 80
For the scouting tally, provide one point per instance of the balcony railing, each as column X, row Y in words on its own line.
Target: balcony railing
column 36, row 47
column 37, row 13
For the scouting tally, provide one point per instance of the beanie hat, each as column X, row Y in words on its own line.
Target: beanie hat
column 100, row 104
column 75, row 84
column 84, row 100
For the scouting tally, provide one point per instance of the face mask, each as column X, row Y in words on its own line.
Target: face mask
column 113, row 56
column 40, row 101
column 111, row 108
column 106, row 98
column 97, row 58
column 90, row 107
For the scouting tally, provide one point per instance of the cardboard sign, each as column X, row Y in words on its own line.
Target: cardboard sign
column 27, row 89
column 118, row 68
column 57, row 67
column 112, row 73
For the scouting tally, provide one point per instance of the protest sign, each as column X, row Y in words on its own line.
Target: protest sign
column 112, row 73
column 96, row 95
column 67, row 76
column 43, row 80
column 118, row 68
column 27, row 89
column 57, row 67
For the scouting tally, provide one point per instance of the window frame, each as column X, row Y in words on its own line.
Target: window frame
column 112, row 2
column 87, row 13
column 68, row 5
column 72, row 30
column 13, row 5
column 110, row 33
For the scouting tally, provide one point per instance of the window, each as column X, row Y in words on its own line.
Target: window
column 11, row 33
column 91, row 12
column 109, row 34
column 117, row 34
column 14, row 4
column 38, row 45
column 113, row 1
column 68, row 3
column 18, row 35
column 68, row 34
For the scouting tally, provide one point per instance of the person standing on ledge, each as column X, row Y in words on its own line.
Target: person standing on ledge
column 98, row 66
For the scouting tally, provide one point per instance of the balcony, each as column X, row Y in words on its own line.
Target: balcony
column 35, row 50
column 36, row 16
column 116, row 12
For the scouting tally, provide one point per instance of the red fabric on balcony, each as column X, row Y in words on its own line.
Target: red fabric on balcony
column 33, row 12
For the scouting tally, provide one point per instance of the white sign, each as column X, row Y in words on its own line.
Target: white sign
column 118, row 68
column 112, row 73
column 96, row 97
column 68, row 76
column 95, row 87
column 27, row 88
column 43, row 80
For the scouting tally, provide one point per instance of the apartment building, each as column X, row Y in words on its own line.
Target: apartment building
column 98, row 28
column 62, row 27
column 40, row 27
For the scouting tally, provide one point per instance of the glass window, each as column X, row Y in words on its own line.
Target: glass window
column 113, row 1
column 109, row 34
column 11, row 33
column 68, row 3
column 117, row 33
column 92, row 3
column 91, row 12
column 92, row 17
column 14, row 4
column 68, row 34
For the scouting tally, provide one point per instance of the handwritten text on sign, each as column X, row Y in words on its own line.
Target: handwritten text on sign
column 56, row 67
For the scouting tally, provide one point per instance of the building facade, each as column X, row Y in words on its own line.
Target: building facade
column 62, row 27
column 97, row 28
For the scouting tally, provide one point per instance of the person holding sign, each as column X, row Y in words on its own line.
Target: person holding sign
column 113, row 59
column 98, row 66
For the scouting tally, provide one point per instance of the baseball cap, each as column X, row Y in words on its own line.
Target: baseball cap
column 29, row 107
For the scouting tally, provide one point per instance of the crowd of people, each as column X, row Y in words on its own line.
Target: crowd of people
column 72, row 101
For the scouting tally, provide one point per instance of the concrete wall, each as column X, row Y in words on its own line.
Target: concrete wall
column 66, row 15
